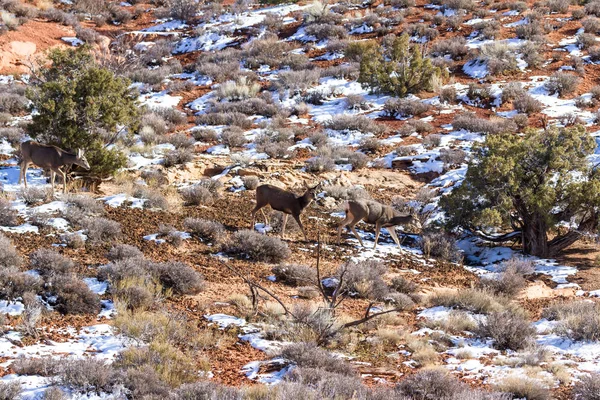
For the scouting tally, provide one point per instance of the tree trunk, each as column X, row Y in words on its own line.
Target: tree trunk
column 560, row 243
column 535, row 238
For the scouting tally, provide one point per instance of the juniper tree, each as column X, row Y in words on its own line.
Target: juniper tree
column 397, row 68
column 78, row 104
column 541, row 186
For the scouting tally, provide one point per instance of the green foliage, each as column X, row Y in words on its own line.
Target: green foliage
column 397, row 68
column 82, row 105
column 530, row 183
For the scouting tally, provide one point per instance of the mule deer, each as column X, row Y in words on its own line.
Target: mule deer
column 372, row 212
column 49, row 157
column 286, row 202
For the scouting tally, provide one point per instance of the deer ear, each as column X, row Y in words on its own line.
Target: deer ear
column 80, row 153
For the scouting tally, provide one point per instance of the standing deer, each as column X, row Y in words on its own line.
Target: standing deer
column 373, row 212
column 49, row 157
column 286, row 202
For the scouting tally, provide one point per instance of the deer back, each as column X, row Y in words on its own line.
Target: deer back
column 278, row 199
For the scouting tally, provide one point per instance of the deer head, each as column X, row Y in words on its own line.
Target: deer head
column 81, row 160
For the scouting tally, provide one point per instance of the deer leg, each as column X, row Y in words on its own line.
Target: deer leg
column 52, row 176
column 64, row 178
column 341, row 226
column 297, row 218
column 377, row 232
column 394, row 236
column 253, row 214
column 356, row 234
column 266, row 217
column 283, row 223
column 24, row 172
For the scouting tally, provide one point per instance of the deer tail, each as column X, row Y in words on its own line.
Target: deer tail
column 346, row 206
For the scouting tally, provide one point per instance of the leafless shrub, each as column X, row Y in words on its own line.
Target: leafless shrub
column 74, row 297
column 297, row 81
column 523, row 387
column 430, row 384
column 319, row 164
column 12, row 135
column 80, row 207
column 184, row 10
column 593, row 8
column 531, row 54
column 10, row 390
column 233, row 137
column 591, row 25
column 319, row 139
column 230, row 119
column 179, row 277
column 594, row 53
column 452, row 157
column 403, row 285
column 448, row 94
column 177, row 157
column 326, row 31
column 345, row 122
column 56, row 15
column 472, row 123
column 356, row 102
column 364, row 279
column 205, row 229
column 9, row 257
column 370, row 144
column 205, row 135
column 423, row 31
column 312, row 381
column 153, row 199
column 8, row 215
column 51, row 263
column 258, row 247
column 181, row 141
column 474, row 300
column 586, row 40
column 237, row 90
column 508, row 330
column 404, row 108
column 251, row 106
column 31, row 315
column 87, row 375
column 15, row 284
column 562, row 83
column 527, row 104
column 101, row 230
column 170, row 235
column 197, row 195
column 33, row 195
column 358, row 160
column 295, row 274
column 588, row 387
column 487, row 29
column 54, row 393
column 43, row 366
column 250, row 182
column 511, row 91
column 578, row 320
column 346, row 192
column 455, row 47
column 509, row 283
column 73, row 240
column 206, row 390
column 309, row 355
column 432, row 141
column 122, row 251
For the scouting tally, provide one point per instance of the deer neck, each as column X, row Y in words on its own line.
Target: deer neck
column 68, row 159
column 305, row 199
